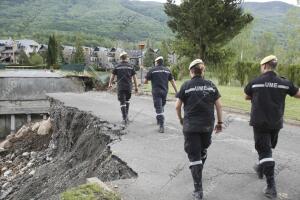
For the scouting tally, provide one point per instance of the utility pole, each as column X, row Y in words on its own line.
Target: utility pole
column 13, row 51
column 141, row 47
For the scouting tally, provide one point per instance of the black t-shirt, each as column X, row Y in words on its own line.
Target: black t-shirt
column 159, row 77
column 268, row 93
column 124, row 72
column 198, row 96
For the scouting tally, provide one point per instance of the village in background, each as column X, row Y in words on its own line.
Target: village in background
column 20, row 52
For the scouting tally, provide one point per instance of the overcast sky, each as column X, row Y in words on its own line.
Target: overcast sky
column 287, row 1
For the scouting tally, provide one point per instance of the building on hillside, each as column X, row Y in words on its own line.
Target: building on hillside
column 113, row 57
column 134, row 57
column 88, row 53
column 8, row 51
column 68, row 53
column 43, row 49
column 8, row 42
column 28, row 46
column 99, row 57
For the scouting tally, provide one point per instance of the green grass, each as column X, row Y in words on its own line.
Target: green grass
column 234, row 97
column 89, row 192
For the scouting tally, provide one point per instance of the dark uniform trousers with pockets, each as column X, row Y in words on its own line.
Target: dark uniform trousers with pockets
column 124, row 98
column 265, row 140
column 159, row 101
column 196, row 145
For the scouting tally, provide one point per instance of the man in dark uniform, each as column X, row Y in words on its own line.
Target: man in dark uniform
column 267, row 94
column 160, row 77
column 199, row 97
column 125, row 73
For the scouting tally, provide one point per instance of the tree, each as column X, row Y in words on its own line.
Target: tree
column 23, row 58
column 60, row 55
column 291, row 48
column 52, row 51
column 35, row 59
column 164, row 52
column 149, row 57
column 265, row 45
column 79, row 54
column 206, row 25
column 242, row 45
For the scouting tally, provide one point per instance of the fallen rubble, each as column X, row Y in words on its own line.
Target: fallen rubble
column 42, row 160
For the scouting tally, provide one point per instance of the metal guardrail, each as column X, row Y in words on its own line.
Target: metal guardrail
column 73, row 67
column 99, row 76
column 2, row 66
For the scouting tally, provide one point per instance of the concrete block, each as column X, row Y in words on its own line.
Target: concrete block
column 45, row 127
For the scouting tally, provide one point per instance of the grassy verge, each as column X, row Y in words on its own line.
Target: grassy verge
column 89, row 192
column 233, row 97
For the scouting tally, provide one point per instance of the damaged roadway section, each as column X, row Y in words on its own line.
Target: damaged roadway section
column 162, row 165
column 41, row 167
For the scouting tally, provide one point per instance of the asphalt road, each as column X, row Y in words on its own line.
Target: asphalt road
column 162, row 165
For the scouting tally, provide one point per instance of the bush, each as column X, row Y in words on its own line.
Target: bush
column 36, row 59
column 89, row 192
column 241, row 71
column 180, row 70
column 175, row 71
column 291, row 72
column 253, row 71
column 224, row 73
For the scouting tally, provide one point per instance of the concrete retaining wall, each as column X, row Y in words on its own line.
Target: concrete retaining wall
column 17, row 88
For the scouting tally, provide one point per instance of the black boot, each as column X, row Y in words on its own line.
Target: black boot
column 268, row 170
column 127, row 108
column 259, row 171
column 196, row 171
column 270, row 191
column 203, row 156
column 160, row 121
column 124, row 115
column 161, row 129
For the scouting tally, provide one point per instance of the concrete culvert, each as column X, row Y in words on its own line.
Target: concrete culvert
column 79, row 149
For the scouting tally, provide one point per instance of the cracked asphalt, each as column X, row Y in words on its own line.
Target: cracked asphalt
column 162, row 165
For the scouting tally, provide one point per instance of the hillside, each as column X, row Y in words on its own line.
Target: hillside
column 270, row 16
column 114, row 19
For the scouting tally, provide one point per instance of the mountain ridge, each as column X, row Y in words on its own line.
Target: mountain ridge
column 125, row 20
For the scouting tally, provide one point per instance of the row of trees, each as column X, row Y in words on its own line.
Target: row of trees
column 35, row 59
column 251, row 46
column 55, row 56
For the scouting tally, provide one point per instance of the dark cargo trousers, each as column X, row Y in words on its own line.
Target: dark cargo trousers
column 124, row 98
column 159, row 100
column 265, row 141
column 196, row 145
